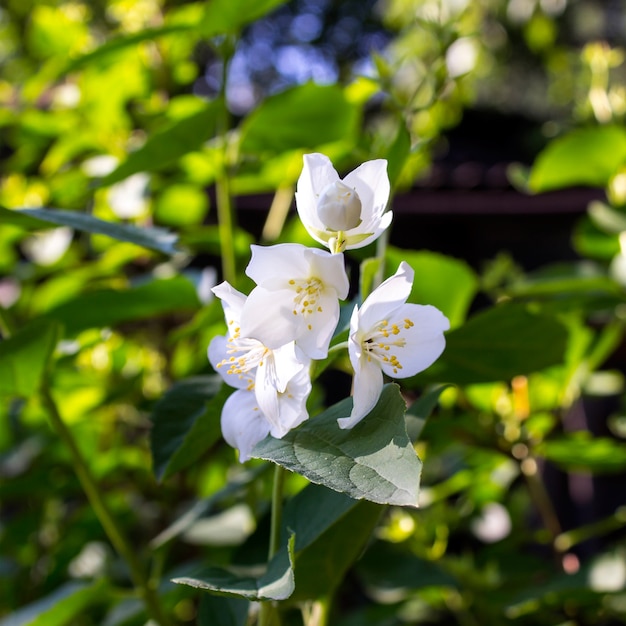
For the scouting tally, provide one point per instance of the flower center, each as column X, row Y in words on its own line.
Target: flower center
column 383, row 341
column 251, row 354
column 307, row 294
column 339, row 207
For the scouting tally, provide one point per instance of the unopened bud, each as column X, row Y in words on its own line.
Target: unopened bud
column 339, row 207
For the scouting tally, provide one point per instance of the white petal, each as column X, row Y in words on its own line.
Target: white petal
column 283, row 261
column 243, row 423
column 288, row 362
column 317, row 173
column 232, row 301
column 387, row 297
column 330, row 269
column 425, row 340
column 372, row 184
column 292, row 404
column 217, row 353
column 374, row 227
column 368, row 383
column 268, row 317
column 317, row 330
column 266, row 392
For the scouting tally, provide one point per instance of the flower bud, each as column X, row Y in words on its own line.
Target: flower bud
column 339, row 207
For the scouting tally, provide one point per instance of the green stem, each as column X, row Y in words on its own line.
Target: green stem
column 224, row 201
column 6, row 324
column 108, row 522
column 226, row 227
column 268, row 614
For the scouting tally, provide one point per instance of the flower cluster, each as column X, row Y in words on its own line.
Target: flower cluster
column 289, row 318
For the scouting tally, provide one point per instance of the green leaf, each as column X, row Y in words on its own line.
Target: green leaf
column 222, row 611
column 387, row 567
column 277, row 583
column 23, row 358
column 374, row 460
column 223, row 17
column 58, row 608
column 583, row 157
column 498, row 344
column 421, row 410
column 185, row 423
column 582, row 452
column 312, row 512
column 164, row 147
column 121, row 43
column 369, row 269
column 444, row 282
column 110, row 307
column 592, row 242
column 322, row 566
column 36, row 219
column 304, row 117
column 398, row 154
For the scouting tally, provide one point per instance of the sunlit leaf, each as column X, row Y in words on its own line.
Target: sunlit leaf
column 447, row 283
column 277, row 583
column 110, row 307
column 120, row 43
column 36, row 219
column 185, row 423
column 374, row 460
column 498, row 344
column 229, row 16
column 60, row 607
column 582, row 452
column 584, row 157
column 23, row 358
column 165, row 147
column 303, row 117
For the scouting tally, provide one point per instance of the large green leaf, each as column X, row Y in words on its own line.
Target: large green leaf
column 498, row 344
column 447, row 283
column 60, row 607
column 24, row 356
column 305, row 117
column 36, row 219
column 224, row 17
column 277, row 583
column 322, row 566
column 185, row 423
column 586, row 156
column 110, row 307
column 374, row 460
column 164, row 147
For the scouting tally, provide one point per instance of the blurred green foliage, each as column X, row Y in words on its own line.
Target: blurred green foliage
column 105, row 307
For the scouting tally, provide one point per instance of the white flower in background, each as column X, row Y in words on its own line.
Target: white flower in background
column 389, row 336
column 248, row 363
column 127, row 198
column 48, row 246
column 244, row 424
column 343, row 214
column 297, row 296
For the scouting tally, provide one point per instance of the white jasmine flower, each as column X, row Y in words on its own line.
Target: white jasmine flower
column 244, row 424
column 343, row 214
column 297, row 296
column 389, row 336
column 248, row 363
